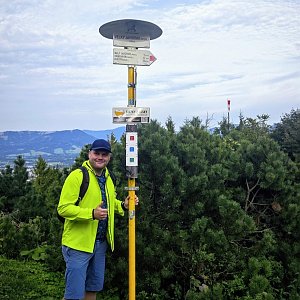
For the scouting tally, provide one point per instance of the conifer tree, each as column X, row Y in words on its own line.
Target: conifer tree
column 287, row 133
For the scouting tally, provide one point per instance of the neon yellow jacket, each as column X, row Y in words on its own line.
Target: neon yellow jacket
column 79, row 228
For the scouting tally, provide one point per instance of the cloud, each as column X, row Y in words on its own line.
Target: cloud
column 209, row 51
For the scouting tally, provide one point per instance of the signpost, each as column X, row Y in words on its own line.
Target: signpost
column 131, row 34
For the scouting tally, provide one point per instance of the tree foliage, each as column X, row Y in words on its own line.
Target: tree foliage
column 218, row 217
column 287, row 133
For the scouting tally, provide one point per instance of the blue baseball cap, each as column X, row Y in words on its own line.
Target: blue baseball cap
column 101, row 145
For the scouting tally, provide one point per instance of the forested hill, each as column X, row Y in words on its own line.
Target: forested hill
column 56, row 147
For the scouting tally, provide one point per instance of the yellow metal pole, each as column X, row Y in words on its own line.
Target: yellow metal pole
column 131, row 184
column 131, row 86
column 131, row 192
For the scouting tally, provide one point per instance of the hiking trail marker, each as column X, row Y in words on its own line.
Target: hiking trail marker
column 133, row 57
column 131, row 34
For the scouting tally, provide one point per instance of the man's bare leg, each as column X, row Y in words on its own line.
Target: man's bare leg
column 90, row 296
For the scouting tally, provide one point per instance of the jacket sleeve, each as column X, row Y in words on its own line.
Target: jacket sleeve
column 67, row 207
column 116, row 203
column 118, row 208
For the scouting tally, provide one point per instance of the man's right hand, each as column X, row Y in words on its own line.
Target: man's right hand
column 100, row 213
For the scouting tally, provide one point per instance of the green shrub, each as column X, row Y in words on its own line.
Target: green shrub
column 29, row 280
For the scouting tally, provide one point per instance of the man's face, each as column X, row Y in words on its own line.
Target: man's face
column 99, row 159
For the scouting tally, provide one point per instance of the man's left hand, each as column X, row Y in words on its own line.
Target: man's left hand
column 126, row 201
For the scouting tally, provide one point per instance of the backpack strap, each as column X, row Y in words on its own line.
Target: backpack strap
column 83, row 188
column 84, row 184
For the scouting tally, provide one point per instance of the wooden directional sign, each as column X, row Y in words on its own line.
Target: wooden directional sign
column 127, row 115
column 133, row 57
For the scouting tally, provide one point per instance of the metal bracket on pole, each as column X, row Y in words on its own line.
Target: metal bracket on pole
column 131, row 128
column 131, row 102
column 132, row 172
column 132, row 188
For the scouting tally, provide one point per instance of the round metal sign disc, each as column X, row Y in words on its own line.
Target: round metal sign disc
column 130, row 27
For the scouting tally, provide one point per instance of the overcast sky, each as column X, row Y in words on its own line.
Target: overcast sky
column 57, row 71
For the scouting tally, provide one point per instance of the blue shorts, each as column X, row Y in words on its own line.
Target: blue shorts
column 84, row 271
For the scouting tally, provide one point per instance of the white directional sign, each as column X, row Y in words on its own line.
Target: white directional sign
column 127, row 115
column 131, row 40
column 133, row 57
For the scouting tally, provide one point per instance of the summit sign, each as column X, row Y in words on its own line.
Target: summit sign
column 131, row 40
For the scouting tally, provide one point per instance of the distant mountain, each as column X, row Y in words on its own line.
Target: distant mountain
column 56, row 147
column 103, row 134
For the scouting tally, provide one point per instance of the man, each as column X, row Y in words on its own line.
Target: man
column 89, row 226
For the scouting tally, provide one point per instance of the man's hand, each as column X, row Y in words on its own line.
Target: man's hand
column 100, row 213
column 126, row 201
